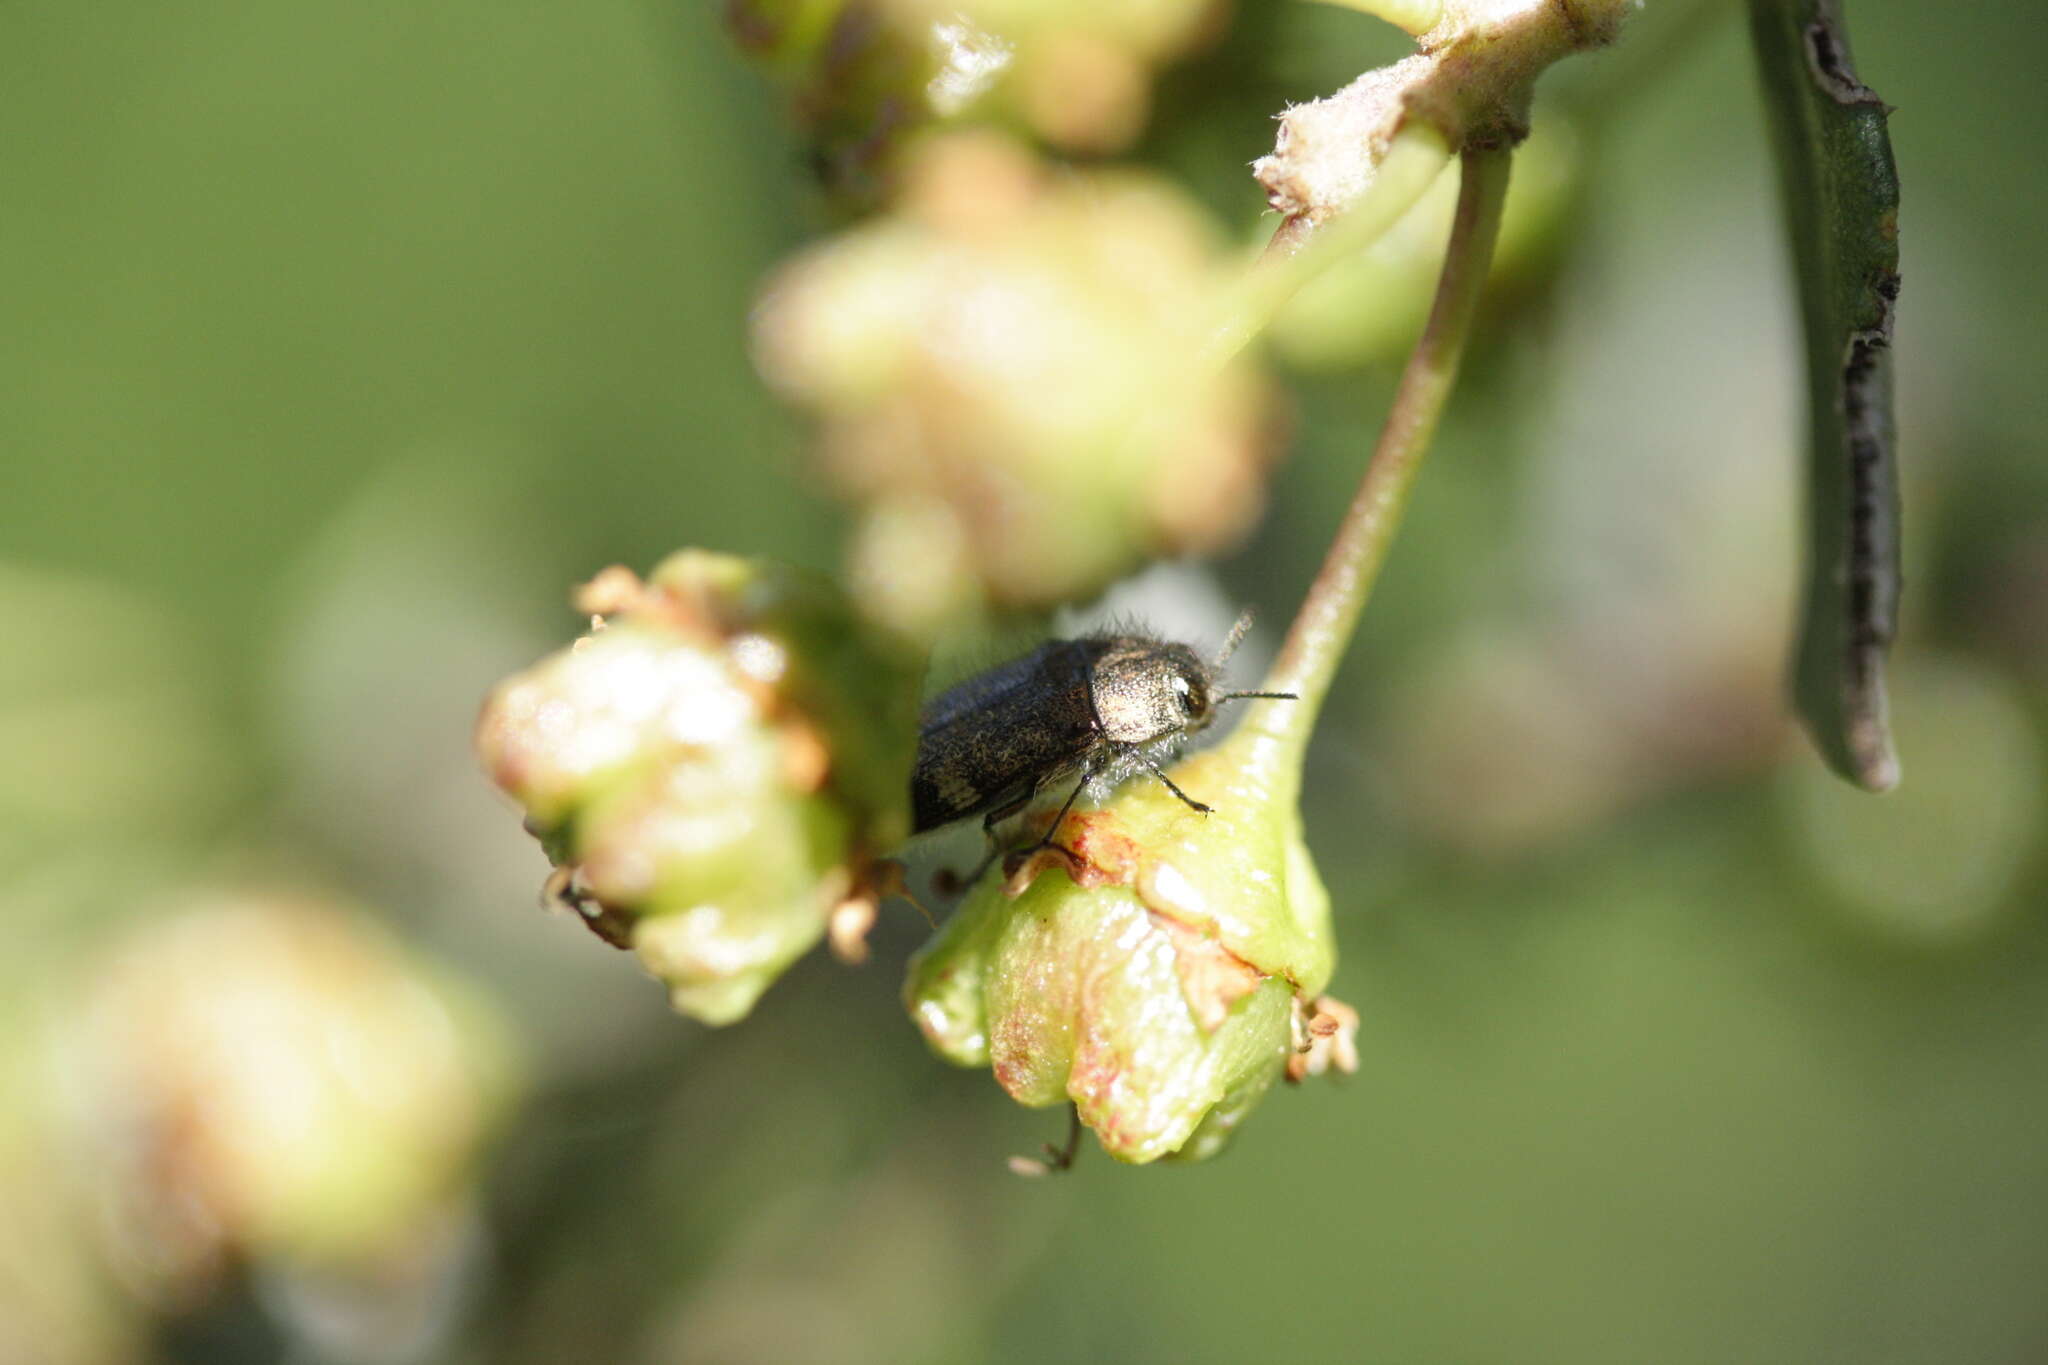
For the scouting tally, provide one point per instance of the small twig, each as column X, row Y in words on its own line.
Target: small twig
column 1322, row 628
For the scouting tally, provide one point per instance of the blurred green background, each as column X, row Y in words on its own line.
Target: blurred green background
column 337, row 341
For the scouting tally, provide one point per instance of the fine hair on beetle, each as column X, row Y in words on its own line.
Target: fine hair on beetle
column 1105, row 706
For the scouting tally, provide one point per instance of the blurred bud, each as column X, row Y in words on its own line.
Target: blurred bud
column 277, row 1080
column 1079, row 72
column 1006, row 374
column 713, row 769
column 57, row 1304
column 866, row 75
column 857, row 82
column 1157, row 966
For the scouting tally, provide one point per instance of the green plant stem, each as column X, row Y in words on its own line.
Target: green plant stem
column 1322, row 628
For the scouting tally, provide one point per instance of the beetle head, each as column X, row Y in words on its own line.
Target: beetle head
column 1146, row 689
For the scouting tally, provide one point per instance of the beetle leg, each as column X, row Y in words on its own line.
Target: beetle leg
column 948, row 883
column 955, row 886
column 1087, row 774
column 1007, row 808
column 1045, row 839
column 1061, row 1158
column 1160, row 773
column 1056, row 1159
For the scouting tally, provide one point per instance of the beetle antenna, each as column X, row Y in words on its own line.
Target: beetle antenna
column 1236, row 638
column 1270, row 696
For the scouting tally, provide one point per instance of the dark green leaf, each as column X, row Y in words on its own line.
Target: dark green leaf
column 1842, row 211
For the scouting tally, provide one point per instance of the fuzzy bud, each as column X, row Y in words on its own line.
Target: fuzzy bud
column 1157, row 966
column 1002, row 372
column 275, row 1079
column 712, row 769
column 866, row 77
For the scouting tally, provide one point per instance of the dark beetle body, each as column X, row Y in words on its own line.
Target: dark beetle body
column 987, row 744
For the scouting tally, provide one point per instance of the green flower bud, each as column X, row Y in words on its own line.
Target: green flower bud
column 57, row 1301
column 1001, row 369
column 857, row 82
column 866, row 76
column 279, row 1080
column 1157, row 966
column 1078, row 73
column 713, row 769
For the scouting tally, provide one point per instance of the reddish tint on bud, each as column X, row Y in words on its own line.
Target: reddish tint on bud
column 714, row 769
column 1008, row 379
column 276, row 1079
column 866, row 77
column 1157, row 966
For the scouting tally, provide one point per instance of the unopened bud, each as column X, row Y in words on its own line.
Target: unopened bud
column 714, row 769
column 276, row 1079
column 1158, row 966
column 1008, row 378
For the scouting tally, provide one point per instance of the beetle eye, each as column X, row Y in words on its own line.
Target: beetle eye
column 1183, row 694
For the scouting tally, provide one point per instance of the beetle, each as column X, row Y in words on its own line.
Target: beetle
column 1105, row 705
